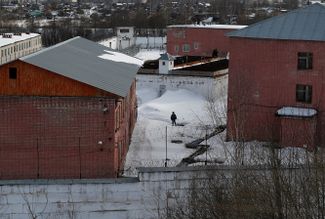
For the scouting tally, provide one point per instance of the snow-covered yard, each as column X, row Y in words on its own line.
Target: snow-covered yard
column 148, row 147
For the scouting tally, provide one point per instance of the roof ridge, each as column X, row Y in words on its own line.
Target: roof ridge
column 276, row 17
column 79, row 59
column 49, row 48
column 247, row 32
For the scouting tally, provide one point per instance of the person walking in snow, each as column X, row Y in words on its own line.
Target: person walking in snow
column 173, row 117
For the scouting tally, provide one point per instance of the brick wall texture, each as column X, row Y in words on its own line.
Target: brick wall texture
column 55, row 127
column 56, row 137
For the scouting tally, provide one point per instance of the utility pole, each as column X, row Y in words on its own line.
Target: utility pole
column 166, row 160
column 206, row 145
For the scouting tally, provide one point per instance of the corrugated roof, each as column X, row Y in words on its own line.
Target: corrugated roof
column 209, row 26
column 78, row 59
column 302, row 24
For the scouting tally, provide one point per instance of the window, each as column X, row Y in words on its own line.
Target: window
column 163, row 63
column 305, row 60
column 196, row 45
column 12, row 73
column 186, row 47
column 179, row 34
column 176, row 48
column 124, row 30
column 304, row 93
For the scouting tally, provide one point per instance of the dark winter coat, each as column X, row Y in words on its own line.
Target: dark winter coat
column 173, row 117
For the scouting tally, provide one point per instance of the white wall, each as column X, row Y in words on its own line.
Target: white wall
column 165, row 66
column 111, row 198
column 150, row 42
column 202, row 85
column 20, row 48
column 111, row 43
column 125, row 39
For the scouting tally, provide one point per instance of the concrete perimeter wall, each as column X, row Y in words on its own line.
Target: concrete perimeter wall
column 139, row 197
column 205, row 86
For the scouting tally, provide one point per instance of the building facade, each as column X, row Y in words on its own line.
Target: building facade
column 125, row 37
column 276, row 77
column 14, row 46
column 199, row 40
column 66, row 113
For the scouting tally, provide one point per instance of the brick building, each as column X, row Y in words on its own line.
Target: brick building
column 199, row 40
column 67, row 111
column 276, row 77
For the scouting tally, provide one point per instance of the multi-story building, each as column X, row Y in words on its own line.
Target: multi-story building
column 199, row 40
column 276, row 80
column 16, row 45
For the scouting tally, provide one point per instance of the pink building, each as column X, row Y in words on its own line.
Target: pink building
column 276, row 80
column 199, row 40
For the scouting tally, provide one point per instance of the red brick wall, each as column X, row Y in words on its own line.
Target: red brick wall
column 57, row 137
column 302, row 135
column 207, row 39
column 35, row 81
column 262, row 78
column 127, row 109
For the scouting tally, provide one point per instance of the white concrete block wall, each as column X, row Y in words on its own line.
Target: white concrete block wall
column 204, row 86
column 122, row 198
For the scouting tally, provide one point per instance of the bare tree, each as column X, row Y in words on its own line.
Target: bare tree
column 31, row 200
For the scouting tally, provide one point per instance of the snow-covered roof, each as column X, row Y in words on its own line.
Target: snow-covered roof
column 296, row 112
column 16, row 38
column 120, row 57
column 90, row 63
column 301, row 24
column 212, row 26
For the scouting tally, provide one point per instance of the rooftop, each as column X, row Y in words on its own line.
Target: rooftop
column 166, row 57
column 90, row 63
column 211, row 26
column 301, row 24
column 15, row 38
